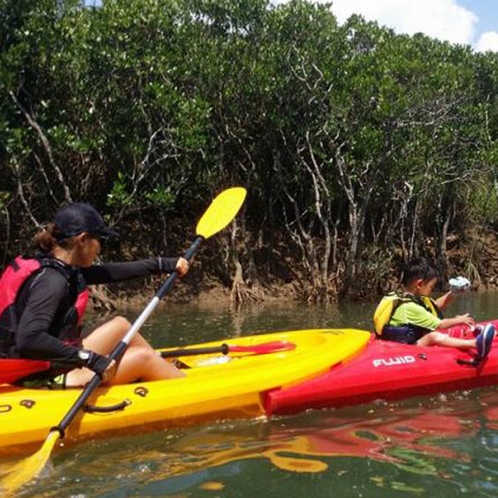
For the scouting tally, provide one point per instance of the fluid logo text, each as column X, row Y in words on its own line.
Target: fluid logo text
column 396, row 360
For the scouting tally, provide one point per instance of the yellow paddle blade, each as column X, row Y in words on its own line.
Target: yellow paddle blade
column 221, row 211
column 29, row 468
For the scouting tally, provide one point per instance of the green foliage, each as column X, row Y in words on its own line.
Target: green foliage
column 161, row 198
column 119, row 196
column 485, row 204
column 4, row 199
column 146, row 105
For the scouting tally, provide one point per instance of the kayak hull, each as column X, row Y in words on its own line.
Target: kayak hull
column 388, row 371
column 235, row 389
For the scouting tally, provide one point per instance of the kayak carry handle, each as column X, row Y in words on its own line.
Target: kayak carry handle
column 107, row 409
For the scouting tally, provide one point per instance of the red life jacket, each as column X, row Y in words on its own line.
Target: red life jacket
column 11, row 282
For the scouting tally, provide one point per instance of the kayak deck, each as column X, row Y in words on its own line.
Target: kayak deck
column 388, row 371
column 235, row 389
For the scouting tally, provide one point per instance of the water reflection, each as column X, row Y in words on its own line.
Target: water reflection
column 410, row 446
column 309, row 443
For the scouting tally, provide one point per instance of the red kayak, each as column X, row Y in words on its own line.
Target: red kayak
column 388, row 370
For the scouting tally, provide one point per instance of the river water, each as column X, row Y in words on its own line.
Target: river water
column 443, row 445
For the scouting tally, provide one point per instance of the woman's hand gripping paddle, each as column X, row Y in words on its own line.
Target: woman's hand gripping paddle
column 219, row 214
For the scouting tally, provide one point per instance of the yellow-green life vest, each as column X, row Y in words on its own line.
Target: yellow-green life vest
column 389, row 304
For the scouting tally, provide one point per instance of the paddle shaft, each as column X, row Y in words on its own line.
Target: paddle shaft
column 121, row 347
column 264, row 348
column 223, row 349
column 219, row 214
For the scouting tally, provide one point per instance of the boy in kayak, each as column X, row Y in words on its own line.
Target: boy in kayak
column 412, row 316
column 42, row 301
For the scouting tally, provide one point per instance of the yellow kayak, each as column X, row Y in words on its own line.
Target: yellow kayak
column 216, row 387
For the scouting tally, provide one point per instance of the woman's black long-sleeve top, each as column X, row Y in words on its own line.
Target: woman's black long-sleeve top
column 48, row 295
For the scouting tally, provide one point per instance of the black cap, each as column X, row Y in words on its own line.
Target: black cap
column 77, row 217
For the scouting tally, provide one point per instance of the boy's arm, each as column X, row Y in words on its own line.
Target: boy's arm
column 413, row 314
column 417, row 315
column 458, row 285
column 457, row 320
column 444, row 300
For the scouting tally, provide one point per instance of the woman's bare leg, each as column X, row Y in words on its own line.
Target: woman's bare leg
column 104, row 338
column 144, row 365
column 139, row 362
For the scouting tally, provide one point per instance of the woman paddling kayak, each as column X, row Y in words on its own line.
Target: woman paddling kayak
column 42, row 301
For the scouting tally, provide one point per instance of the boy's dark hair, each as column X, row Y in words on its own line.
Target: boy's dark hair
column 419, row 268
